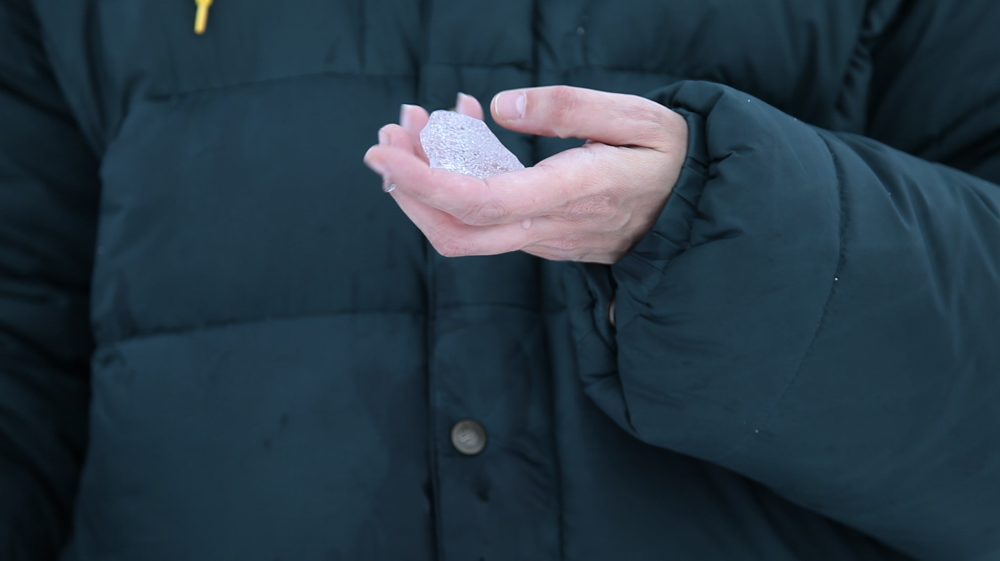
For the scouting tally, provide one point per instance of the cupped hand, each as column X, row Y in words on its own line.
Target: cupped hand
column 591, row 203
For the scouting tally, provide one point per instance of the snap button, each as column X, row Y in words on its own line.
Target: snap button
column 468, row 437
column 611, row 312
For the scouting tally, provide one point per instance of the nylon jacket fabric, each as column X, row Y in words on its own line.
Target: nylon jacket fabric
column 220, row 340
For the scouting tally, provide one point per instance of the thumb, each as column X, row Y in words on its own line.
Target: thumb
column 565, row 111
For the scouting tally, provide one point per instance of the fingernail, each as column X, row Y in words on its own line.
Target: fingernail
column 383, row 138
column 461, row 97
column 388, row 188
column 510, row 105
column 404, row 116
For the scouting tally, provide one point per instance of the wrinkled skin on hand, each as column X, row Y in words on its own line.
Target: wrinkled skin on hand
column 591, row 203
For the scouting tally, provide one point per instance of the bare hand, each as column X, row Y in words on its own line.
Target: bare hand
column 591, row 203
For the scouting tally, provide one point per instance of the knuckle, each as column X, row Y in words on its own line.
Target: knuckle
column 652, row 119
column 563, row 104
column 596, row 206
column 563, row 95
column 643, row 111
column 473, row 218
column 485, row 214
column 449, row 248
column 565, row 244
column 445, row 243
column 619, row 221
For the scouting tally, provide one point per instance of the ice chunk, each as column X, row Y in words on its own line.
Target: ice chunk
column 464, row 144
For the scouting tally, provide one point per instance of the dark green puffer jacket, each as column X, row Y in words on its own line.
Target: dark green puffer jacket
column 219, row 340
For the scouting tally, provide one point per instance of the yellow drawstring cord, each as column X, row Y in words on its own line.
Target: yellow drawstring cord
column 201, row 18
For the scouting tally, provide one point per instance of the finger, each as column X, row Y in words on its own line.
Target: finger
column 564, row 111
column 468, row 105
column 541, row 236
column 570, row 249
column 398, row 137
column 503, row 198
column 413, row 119
column 453, row 238
column 444, row 190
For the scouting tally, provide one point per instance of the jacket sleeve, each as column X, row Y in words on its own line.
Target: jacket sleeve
column 820, row 313
column 48, row 194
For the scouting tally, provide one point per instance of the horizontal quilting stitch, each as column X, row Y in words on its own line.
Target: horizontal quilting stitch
column 177, row 331
column 295, row 317
column 277, row 80
column 371, row 77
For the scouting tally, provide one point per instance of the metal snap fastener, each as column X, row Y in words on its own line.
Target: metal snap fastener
column 468, row 437
column 611, row 312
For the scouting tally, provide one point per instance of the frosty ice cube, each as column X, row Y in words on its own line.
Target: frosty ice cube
column 464, row 144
